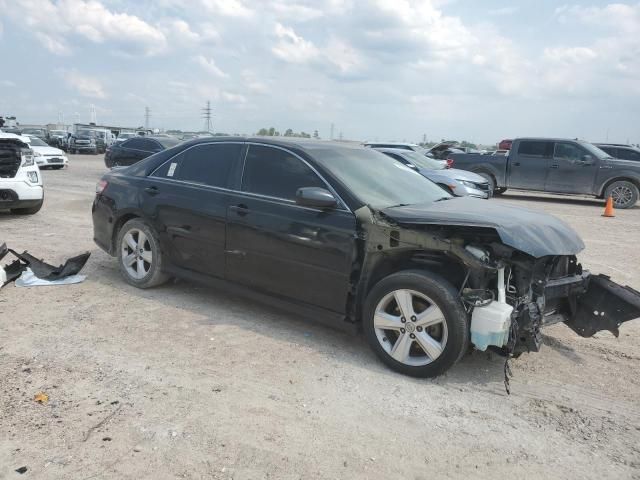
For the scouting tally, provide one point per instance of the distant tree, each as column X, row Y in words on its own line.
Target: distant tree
column 315, row 134
column 263, row 132
column 288, row 133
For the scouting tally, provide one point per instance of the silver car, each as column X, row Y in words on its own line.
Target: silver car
column 457, row 182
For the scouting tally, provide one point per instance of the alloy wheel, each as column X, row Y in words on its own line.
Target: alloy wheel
column 137, row 256
column 410, row 327
column 621, row 195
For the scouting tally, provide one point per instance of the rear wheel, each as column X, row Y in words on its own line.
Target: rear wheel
column 415, row 322
column 499, row 191
column 623, row 193
column 139, row 255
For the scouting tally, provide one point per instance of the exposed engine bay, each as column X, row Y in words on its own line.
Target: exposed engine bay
column 512, row 281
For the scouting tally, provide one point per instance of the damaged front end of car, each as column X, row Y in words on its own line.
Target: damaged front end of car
column 515, row 275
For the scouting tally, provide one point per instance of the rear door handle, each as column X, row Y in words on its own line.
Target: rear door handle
column 517, row 164
column 152, row 190
column 240, row 210
column 554, row 166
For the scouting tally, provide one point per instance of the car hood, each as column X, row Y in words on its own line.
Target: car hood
column 534, row 233
column 47, row 150
column 454, row 173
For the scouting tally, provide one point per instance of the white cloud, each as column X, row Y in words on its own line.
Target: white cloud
column 286, row 10
column 573, row 55
column 210, row 66
column 85, row 85
column 291, row 47
column 234, row 98
column 231, row 8
column 7, row 83
column 55, row 22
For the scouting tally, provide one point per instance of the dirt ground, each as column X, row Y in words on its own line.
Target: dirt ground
column 183, row 381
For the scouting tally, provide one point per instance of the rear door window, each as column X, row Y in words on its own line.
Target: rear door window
column 276, row 173
column 134, row 144
column 208, row 164
column 535, row 148
column 627, row 154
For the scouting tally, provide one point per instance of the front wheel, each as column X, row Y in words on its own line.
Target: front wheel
column 499, row 191
column 414, row 321
column 489, row 178
column 623, row 193
column 139, row 255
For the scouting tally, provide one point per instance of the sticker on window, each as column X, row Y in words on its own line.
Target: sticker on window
column 172, row 169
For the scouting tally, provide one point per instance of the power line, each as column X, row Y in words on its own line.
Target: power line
column 206, row 114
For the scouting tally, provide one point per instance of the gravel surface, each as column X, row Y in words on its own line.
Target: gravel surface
column 183, row 381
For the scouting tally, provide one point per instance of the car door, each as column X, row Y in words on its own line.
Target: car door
column 277, row 246
column 187, row 197
column 528, row 166
column 572, row 169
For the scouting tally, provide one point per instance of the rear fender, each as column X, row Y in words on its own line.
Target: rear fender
column 604, row 306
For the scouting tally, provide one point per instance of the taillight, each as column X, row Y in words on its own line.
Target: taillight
column 449, row 162
column 101, row 186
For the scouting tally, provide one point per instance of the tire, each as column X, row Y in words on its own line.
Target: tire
column 145, row 270
column 447, row 340
column 624, row 193
column 499, row 191
column 489, row 178
column 28, row 211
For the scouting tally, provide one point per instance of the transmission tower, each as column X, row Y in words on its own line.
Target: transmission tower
column 147, row 115
column 206, row 114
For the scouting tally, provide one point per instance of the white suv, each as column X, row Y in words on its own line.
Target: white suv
column 21, row 188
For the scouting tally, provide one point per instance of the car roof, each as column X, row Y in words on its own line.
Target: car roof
column 392, row 143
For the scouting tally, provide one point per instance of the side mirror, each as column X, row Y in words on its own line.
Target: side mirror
column 587, row 160
column 315, row 197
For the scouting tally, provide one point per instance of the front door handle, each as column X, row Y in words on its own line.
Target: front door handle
column 241, row 210
column 517, row 164
column 153, row 190
column 554, row 166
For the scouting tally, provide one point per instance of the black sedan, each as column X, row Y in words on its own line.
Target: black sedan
column 135, row 149
column 342, row 234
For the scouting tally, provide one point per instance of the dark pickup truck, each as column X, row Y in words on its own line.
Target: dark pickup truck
column 558, row 166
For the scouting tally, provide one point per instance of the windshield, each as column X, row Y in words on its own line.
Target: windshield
column 421, row 161
column 33, row 131
column 36, row 142
column 126, row 135
column 375, row 180
column 85, row 133
column 595, row 151
column 58, row 132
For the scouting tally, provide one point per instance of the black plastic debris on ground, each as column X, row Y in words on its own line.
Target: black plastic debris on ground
column 40, row 268
column 21, row 470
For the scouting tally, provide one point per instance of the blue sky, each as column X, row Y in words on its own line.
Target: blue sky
column 383, row 69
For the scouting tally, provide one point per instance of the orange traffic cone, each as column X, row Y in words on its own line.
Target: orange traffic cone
column 608, row 209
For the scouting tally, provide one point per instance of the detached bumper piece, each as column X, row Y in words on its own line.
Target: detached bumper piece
column 604, row 306
column 40, row 269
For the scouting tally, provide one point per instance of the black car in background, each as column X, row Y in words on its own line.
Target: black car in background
column 135, row 149
column 621, row 152
column 340, row 233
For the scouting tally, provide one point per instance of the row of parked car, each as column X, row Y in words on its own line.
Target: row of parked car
column 552, row 165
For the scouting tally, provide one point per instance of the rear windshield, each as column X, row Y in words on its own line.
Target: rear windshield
column 167, row 142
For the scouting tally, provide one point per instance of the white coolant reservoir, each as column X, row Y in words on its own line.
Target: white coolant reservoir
column 490, row 324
